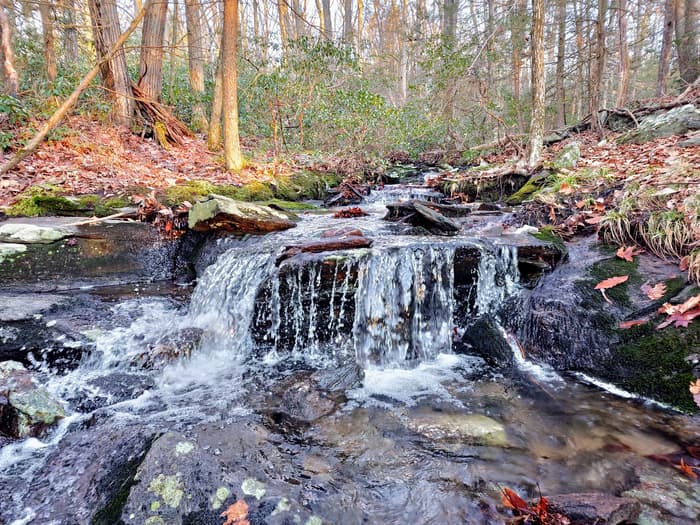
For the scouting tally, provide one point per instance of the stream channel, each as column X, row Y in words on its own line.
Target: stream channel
column 334, row 388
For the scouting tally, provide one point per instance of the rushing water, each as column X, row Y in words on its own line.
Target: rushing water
column 404, row 442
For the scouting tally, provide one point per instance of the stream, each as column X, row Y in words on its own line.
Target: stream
column 334, row 388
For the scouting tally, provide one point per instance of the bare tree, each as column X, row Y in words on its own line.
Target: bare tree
column 559, row 75
column 666, row 47
column 70, row 31
column 596, row 76
column 623, row 86
column 151, row 63
column 229, row 70
column 347, row 22
column 687, row 19
column 47, row 24
column 327, row 18
column 196, row 57
column 8, row 63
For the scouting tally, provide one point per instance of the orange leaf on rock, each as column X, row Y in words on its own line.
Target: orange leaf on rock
column 612, row 282
column 655, row 292
column 687, row 470
column 684, row 264
column 511, row 500
column 627, row 253
column 629, row 324
column 236, row 514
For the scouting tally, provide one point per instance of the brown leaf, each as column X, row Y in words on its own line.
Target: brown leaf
column 612, row 282
column 655, row 292
column 684, row 264
column 629, row 324
column 236, row 514
column 565, row 189
column 627, row 253
column 595, row 219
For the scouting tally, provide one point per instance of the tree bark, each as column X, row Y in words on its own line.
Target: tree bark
column 196, row 57
column 449, row 39
column 8, row 63
column 517, row 39
column 151, row 64
column 538, row 83
column 559, row 78
column 666, row 48
column 598, row 70
column 403, row 55
column 282, row 11
column 47, row 25
column 229, row 68
column 115, row 75
column 687, row 19
column 347, row 22
column 623, row 87
column 70, row 31
column 61, row 112
column 327, row 19
column 214, row 135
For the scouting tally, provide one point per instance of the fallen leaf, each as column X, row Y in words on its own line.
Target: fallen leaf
column 629, row 324
column 511, row 500
column 684, row 264
column 236, row 514
column 610, row 283
column 565, row 189
column 595, row 219
column 687, row 470
column 655, row 292
column 627, row 253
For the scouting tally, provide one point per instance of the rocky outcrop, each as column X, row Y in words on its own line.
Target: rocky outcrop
column 25, row 409
column 218, row 213
column 595, row 508
column 24, row 233
column 424, row 215
column 677, row 121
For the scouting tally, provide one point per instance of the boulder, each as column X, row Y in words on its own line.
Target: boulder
column 595, row 508
column 568, row 157
column 224, row 214
column 25, row 409
column 22, row 233
column 484, row 339
column 328, row 244
column 471, row 429
column 678, row 121
column 7, row 250
column 422, row 215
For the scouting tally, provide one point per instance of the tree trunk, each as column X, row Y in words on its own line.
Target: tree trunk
column 347, row 22
column 403, row 56
column 559, row 79
column 174, row 35
column 284, row 23
column 8, row 63
column 538, row 83
column 214, row 135
column 360, row 21
column 298, row 19
column 229, row 68
column 115, row 75
column 598, row 70
column 327, row 19
column 47, row 25
column 152, row 34
column 666, row 47
column 623, row 87
column 449, row 38
column 196, row 57
column 687, row 18
column 516, row 41
column 70, row 32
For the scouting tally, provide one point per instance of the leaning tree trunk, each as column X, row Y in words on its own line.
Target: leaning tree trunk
column 196, row 57
column 151, row 65
column 229, row 71
column 47, row 25
column 8, row 56
column 115, row 75
column 538, row 83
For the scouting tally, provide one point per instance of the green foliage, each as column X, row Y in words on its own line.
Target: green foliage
column 40, row 201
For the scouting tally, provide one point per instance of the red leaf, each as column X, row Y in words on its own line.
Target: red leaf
column 627, row 253
column 512, row 501
column 655, row 292
column 236, row 514
column 349, row 213
column 687, row 470
column 684, row 264
column 630, row 324
column 612, row 282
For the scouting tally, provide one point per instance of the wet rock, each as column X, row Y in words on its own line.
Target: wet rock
column 346, row 195
column 32, row 234
column 342, row 232
column 328, row 244
column 677, row 121
column 595, row 508
column 7, row 250
column 300, row 398
column 339, row 379
column 484, row 339
column 423, row 215
column 218, row 213
column 25, row 409
column 169, row 348
column 473, row 429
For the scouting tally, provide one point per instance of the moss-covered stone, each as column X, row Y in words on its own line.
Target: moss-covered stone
column 528, row 190
column 304, row 185
column 547, row 234
column 42, row 205
column 605, row 269
column 190, row 191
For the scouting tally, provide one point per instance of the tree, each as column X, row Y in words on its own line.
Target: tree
column 151, row 63
column 229, row 69
column 623, row 86
column 70, row 31
column 195, row 56
column 47, row 24
column 559, row 75
column 327, row 19
column 8, row 55
column 687, row 32
column 538, row 83
column 598, row 68
column 348, row 27
column 115, row 75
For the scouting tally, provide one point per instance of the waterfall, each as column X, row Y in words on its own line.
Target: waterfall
column 390, row 306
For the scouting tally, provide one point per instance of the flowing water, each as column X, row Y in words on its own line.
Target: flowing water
column 417, row 434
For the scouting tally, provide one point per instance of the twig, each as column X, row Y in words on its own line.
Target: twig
column 95, row 220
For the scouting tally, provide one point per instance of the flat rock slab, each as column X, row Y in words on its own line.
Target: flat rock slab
column 595, row 508
column 224, row 214
column 26, row 306
column 329, row 244
column 25, row 233
column 7, row 250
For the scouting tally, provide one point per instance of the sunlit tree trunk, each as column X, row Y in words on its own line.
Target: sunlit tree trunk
column 10, row 75
column 624, row 53
column 151, row 63
column 195, row 60
column 214, row 134
column 559, row 78
column 47, row 24
column 347, row 22
column 284, row 23
column 666, row 48
column 538, row 83
column 327, row 18
column 115, row 75
column 229, row 68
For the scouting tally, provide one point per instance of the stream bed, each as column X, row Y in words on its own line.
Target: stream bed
column 334, row 388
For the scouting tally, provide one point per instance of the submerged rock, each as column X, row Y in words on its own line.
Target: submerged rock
column 484, row 339
column 25, row 409
column 221, row 213
column 472, row 429
column 595, row 508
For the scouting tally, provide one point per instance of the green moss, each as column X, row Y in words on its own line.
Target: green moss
column 653, row 362
column 289, row 205
column 42, row 205
column 255, row 191
column 546, row 234
column 304, row 185
column 528, row 191
column 190, row 191
column 605, row 269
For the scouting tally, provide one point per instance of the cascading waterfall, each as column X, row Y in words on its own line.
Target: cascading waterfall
column 497, row 278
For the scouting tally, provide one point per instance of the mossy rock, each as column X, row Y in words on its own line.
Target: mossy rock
column 191, row 191
column 528, row 190
column 546, row 234
column 304, row 185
